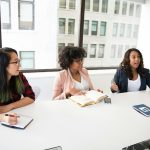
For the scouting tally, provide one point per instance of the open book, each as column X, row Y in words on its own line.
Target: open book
column 91, row 97
column 23, row 122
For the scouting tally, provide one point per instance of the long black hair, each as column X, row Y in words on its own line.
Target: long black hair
column 125, row 64
column 15, row 84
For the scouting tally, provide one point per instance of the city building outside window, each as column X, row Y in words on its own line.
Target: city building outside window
column 72, row 4
column 86, row 27
column 71, row 26
column 129, row 30
column 138, row 10
column 62, row 3
column 103, row 28
column 117, row 6
column 27, row 59
column 113, row 51
column 120, row 50
column 122, row 29
column 62, row 24
column 87, row 5
column 26, row 14
column 85, row 46
column 94, row 27
column 104, row 6
column 131, row 9
column 93, row 51
column 60, row 47
column 95, row 5
column 101, row 50
column 115, row 29
column 136, row 30
column 124, row 7
column 70, row 44
column 5, row 14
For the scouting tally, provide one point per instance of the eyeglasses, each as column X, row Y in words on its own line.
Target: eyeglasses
column 15, row 62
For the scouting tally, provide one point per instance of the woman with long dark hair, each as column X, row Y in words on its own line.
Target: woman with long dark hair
column 131, row 74
column 13, row 84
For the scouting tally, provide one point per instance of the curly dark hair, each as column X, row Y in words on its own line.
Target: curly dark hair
column 68, row 54
column 125, row 64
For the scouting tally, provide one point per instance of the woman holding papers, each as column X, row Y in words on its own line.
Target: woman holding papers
column 73, row 79
column 131, row 75
column 13, row 83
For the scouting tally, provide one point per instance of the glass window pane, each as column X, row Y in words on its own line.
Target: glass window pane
column 86, row 27
column 62, row 3
column 60, row 47
column 26, row 16
column 87, row 5
column 120, row 50
column 104, row 6
column 103, row 28
column 101, row 51
column 136, row 30
column 115, row 29
column 85, row 46
column 93, row 51
column 96, row 5
column 138, row 10
column 122, row 29
column 117, row 6
column 129, row 30
column 131, row 9
column 62, row 24
column 113, row 51
column 94, row 27
column 72, row 4
column 124, row 7
column 71, row 25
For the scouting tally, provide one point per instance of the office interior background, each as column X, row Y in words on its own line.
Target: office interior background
column 39, row 29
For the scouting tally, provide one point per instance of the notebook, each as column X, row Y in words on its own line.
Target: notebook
column 23, row 122
column 143, row 109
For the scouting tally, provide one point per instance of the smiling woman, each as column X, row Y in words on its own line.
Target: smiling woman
column 13, row 84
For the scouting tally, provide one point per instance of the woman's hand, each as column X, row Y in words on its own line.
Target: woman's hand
column 10, row 118
column 5, row 108
column 114, row 87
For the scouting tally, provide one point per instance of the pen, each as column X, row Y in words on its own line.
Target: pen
column 11, row 115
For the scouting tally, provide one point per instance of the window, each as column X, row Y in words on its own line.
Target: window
column 124, row 8
column 113, row 51
column 115, row 29
column 122, row 29
column 101, row 50
column 87, row 5
column 62, row 24
column 86, row 27
column 103, row 28
column 71, row 25
column 27, row 59
column 62, row 3
column 70, row 44
column 129, row 30
column 96, row 5
column 60, row 47
column 93, row 51
column 72, row 4
column 131, row 9
column 94, row 27
column 135, row 32
column 117, row 6
column 85, row 46
column 120, row 49
column 5, row 14
column 138, row 10
column 26, row 14
column 104, row 6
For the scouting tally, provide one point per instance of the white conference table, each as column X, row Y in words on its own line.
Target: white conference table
column 96, row 127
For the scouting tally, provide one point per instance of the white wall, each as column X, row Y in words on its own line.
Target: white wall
column 100, row 78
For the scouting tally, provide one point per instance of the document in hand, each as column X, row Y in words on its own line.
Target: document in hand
column 143, row 109
column 23, row 122
column 91, row 97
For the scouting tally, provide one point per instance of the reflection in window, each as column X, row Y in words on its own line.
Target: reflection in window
column 86, row 27
column 136, row 30
column 138, row 10
column 62, row 3
column 27, row 59
column 104, row 6
column 5, row 14
column 60, row 47
column 62, row 23
column 94, row 27
column 120, row 49
column 85, row 46
column 124, row 7
column 122, row 29
column 129, row 30
column 26, row 14
column 115, row 29
column 117, row 6
column 113, row 51
column 87, row 5
column 96, row 5
column 71, row 25
column 93, row 51
column 101, row 50
column 72, row 4
column 131, row 9
column 103, row 28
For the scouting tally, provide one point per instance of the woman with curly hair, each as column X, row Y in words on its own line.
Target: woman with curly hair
column 131, row 74
column 73, row 79
column 13, row 84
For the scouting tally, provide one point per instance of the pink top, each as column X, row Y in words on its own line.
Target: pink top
column 64, row 81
